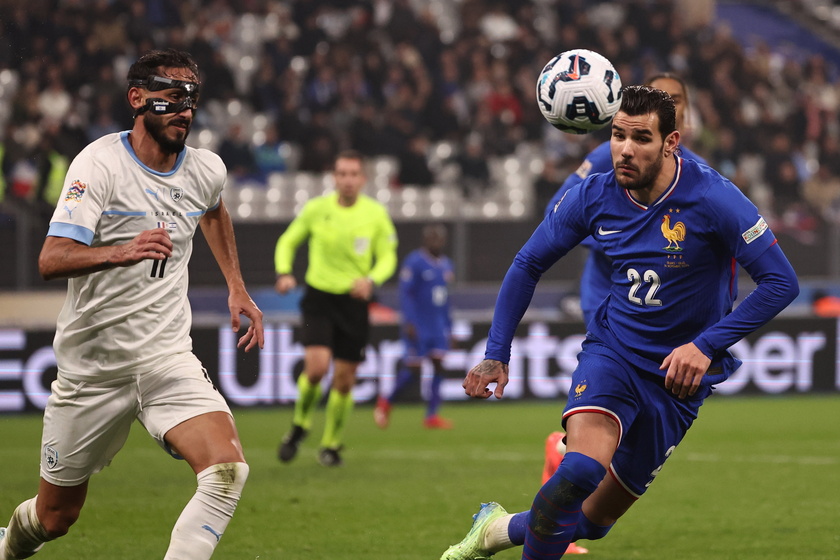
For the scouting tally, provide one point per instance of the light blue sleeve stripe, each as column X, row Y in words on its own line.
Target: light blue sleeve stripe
column 70, row 231
column 122, row 213
column 197, row 213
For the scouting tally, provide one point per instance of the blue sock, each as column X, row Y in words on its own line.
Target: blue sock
column 554, row 515
column 588, row 530
column 404, row 377
column 434, row 395
column 517, row 527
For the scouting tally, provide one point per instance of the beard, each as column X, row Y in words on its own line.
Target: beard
column 156, row 128
column 646, row 176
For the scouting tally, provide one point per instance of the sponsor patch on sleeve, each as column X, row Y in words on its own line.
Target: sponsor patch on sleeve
column 756, row 231
column 75, row 192
column 584, row 169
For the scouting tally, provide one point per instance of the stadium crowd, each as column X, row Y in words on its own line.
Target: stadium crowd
column 287, row 84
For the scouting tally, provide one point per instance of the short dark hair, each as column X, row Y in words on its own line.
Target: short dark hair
column 644, row 100
column 436, row 228
column 669, row 76
column 148, row 64
column 351, row 154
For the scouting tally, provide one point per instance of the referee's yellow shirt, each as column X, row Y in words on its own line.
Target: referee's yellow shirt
column 345, row 243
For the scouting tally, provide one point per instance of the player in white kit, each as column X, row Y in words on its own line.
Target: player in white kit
column 122, row 233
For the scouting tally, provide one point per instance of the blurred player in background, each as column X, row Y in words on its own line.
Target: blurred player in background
column 426, row 323
column 673, row 229
column 352, row 249
column 596, row 279
column 122, row 233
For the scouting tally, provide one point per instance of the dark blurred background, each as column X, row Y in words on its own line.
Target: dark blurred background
column 440, row 95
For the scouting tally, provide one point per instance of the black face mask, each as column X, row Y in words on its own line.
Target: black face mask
column 160, row 106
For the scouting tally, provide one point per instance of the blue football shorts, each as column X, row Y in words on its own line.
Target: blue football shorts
column 651, row 419
column 425, row 345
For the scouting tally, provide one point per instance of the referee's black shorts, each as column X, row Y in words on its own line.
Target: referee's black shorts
column 335, row 320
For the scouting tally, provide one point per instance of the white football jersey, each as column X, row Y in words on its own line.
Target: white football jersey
column 123, row 320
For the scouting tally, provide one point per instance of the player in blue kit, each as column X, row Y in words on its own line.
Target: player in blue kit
column 673, row 230
column 595, row 278
column 427, row 325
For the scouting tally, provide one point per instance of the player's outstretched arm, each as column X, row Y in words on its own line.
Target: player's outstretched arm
column 62, row 257
column 217, row 228
column 240, row 303
column 481, row 376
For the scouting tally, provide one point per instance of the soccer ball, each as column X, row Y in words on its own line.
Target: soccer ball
column 579, row 91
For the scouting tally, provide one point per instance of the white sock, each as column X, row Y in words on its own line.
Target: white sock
column 25, row 535
column 496, row 536
column 206, row 516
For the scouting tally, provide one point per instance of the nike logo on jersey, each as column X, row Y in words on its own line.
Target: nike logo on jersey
column 602, row 231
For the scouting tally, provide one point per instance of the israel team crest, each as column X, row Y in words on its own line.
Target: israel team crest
column 177, row 193
column 50, row 457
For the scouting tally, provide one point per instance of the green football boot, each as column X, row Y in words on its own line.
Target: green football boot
column 472, row 547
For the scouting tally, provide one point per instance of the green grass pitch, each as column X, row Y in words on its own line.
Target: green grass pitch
column 756, row 478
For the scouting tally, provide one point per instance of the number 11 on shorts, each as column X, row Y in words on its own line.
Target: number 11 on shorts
column 162, row 265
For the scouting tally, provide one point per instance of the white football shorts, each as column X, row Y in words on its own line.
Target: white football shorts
column 87, row 422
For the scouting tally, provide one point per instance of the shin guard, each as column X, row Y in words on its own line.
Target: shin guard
column 206, row 516
column 556, row 508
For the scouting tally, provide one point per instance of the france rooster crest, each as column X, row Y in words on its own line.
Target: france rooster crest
column 673, row 234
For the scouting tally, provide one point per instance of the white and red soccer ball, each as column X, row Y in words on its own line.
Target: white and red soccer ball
column 579, row 91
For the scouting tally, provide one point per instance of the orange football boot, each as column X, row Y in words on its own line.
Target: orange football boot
column 435, row 422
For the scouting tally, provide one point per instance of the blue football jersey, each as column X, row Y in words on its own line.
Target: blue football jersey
column 673, row 262
column 599, row 160
column 595, row 278
column 424, row 293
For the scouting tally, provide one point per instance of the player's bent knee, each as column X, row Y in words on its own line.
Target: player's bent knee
column 223, row 484
column 581, row 472
column 57, row 522
column 315, row 375
column 576, row 478
column 588, row 530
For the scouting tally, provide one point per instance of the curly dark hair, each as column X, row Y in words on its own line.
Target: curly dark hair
column 148, row 64
column 644, row 100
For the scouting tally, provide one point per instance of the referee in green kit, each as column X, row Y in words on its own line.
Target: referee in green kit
column 352, row 249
